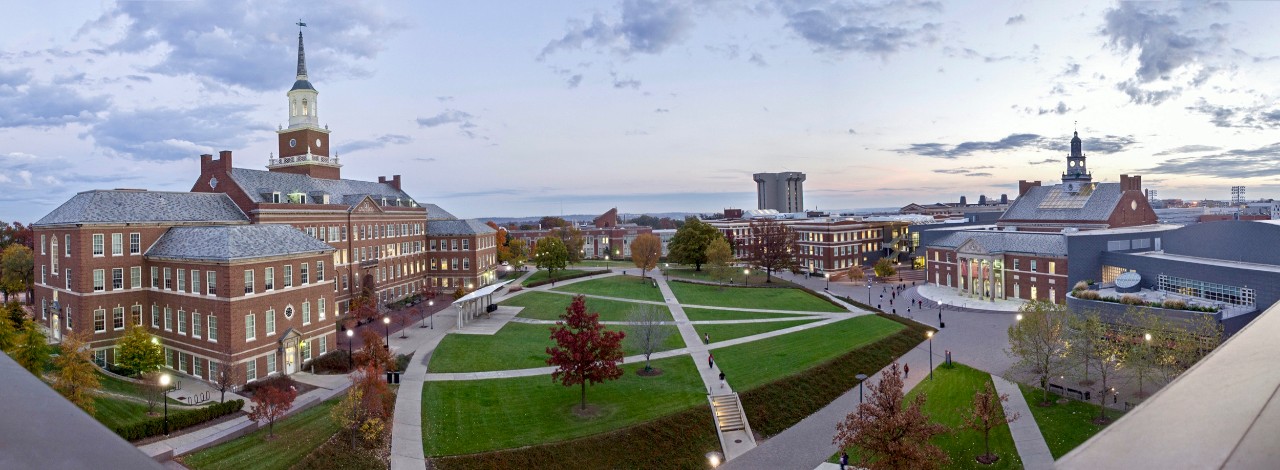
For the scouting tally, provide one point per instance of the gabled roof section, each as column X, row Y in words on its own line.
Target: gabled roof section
column 1006, row 242
column 234, row 242
column 1054, row 203
column 435, row 212
column 139, row 206
column 259, row 184
column 458, row 227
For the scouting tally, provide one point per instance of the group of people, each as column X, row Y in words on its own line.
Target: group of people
column 711, row 364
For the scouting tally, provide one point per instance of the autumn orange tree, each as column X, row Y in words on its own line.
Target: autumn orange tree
column 987, row 414
column 75, row 378
column 363, row 308
column 366, row 409
column 500, row 242
column 270, row 404
column 645, row 251
column 889, row 435
column 372, row 352
column 585, row 351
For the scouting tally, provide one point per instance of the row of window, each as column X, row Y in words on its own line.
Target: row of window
column 251, row 320
column 269, row 276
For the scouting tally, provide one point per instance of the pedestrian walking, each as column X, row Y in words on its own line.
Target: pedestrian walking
column 710, row 361
column 909, row 312
column 721, row 379
column 844, row 459
column 895, row 311
column 906, row 370
column 706, row 338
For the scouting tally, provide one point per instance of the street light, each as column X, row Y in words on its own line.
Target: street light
column 861, row 378
column 387, row 322
column 940, row 323
column 868, row 293
column 349, row 335
column 164, row 382
column 930, row 336
column 745, row 274
column 828, row 277
column 1019, row 317
column 714, row 458
column 432, row 303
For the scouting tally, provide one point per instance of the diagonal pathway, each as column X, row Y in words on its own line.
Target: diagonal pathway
column 1031, row 445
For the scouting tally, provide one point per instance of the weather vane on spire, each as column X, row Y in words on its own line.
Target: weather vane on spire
column 1075, row 125
column 300, row 25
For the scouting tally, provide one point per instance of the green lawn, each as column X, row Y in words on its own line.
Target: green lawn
column 756, row 363
column 723, row 332
column 599, row 263
column 481, row 415
column 515, row 346
column 114, row 412
column 700, row 314
column 547, row 306
column 626, row 287
column 560, row 273
column 950, row 397
column 295, row 437
column 751, row 297
column 123, row 387
column 1064, row 426
column 756, row 277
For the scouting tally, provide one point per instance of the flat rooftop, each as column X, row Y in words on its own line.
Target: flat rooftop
column 1270, row 268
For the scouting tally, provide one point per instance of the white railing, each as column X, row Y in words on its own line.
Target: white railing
column 303, row 158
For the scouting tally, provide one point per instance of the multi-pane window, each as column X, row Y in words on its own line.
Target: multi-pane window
column 306, row 313
column 269, row 278
column 251, row 370
column 70, row 316
column 168, row 278
column 319, row 271
column 155, row 277
column 117, row 318
column 346, row 279
column 211, row 283
column 213, row 370
column 288, row 275
column 182, row 280
column 67, row 278
column 195, row 281
column 195, row 325
column 195, row 366
column 155, row 316
column 135, row 243
column 53, row 254
column 168, row 319
column 466, row 263
column 66, row 245
column 117, row 278
column 324, row 345
column 135, row 277
column 466, row 244
column 182, row 322
column 136, row 312
column 117, row 244
column 302, row 271
column 100, row 320
column 271, row 364
column 250, row 327
column 248, row 281
column 99, row 282
column 271, row 322
column 97, row 245
column 320, row 308
column 213, row 329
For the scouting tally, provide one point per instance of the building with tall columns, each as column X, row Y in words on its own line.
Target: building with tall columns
column 782, row 192
column 251, row 267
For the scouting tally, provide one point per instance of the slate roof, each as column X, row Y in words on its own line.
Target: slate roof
column 350, row 192
column 458, row 227
column 234, row 242
column 137, row 206
column 435, row 212
column 1008, row 242
column 1032, row 205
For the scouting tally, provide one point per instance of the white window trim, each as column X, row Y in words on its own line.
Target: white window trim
column 251, row 328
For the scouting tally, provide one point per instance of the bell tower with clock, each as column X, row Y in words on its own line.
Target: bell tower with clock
column 1077, row 176
column 304, row 145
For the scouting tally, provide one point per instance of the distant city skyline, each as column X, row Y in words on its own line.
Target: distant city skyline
column 523, row 109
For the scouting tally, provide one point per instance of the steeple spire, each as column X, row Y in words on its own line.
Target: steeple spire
column 302, row 56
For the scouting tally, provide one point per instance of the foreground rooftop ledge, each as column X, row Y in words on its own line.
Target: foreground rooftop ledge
column 1223, row 413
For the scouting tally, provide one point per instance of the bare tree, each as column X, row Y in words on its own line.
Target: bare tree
column 226, row 376
column 1038, row 341
column 151, row 390
column 987, row 414
column 1093, row 343
column 647, row 331
column 771, row 246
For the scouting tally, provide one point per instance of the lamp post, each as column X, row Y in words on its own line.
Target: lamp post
column 386, row 320
column 432, row 303
column 745, row 274
column 940, row 323
column 828, row 278
column 349, row 335
column 861, row 378
column 164, row 383
column 930, row 336
column 868, row 293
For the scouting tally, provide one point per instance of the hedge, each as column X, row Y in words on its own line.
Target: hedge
column 178, row 420
column 566, row 278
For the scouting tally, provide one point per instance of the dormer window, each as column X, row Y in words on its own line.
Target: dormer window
column 384, row 201
column 275, row 197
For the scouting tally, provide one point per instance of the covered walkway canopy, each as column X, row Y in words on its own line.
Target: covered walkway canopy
column 475, row 302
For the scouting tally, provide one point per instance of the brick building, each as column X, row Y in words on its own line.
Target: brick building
column 827, row 243
column 605, row 238
column 254, row 264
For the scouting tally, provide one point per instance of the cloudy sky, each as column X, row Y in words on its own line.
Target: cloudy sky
column 531, row 108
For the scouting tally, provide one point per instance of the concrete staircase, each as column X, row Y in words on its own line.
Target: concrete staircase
column 728, row 412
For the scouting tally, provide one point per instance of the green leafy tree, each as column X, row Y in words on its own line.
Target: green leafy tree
column 720, row 259
column 76, row 378
column 519, row 252
column 573, row 242
column 884, row 268
column 690, row 243
column 138, row 351
column 8, row 331
column 1039, row 341
column 32, row 348
column 550, row 254
column 1091, row 344
column 17, row 270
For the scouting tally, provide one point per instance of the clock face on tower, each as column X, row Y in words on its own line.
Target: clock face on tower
column 293, row 143
column 318, row 143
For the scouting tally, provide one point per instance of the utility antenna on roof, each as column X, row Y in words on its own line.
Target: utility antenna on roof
column 1075, row 126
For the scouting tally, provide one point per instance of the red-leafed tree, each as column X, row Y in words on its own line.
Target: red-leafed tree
column 988, row 414
column 585, row 351
column 889, row 435
column 372, row 353
column 364, row 308
column 771, row 246
column 269, row 404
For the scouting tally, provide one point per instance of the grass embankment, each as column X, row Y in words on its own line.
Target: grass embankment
column 704, row 314
column 545, row 306
column 295, row 437
column 463, row 417
column 542, row 275
column 625, row 287
column 730, row 331
column 515, row 346
column 1064, row 425
column 797, row 374
column 757, row 278
column 750, row 297
column 115, row 412
column 949, row 400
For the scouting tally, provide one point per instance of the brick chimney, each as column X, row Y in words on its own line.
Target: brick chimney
column 394, row 181
column 1024, row 186
column 1131, row 183
column 221, row 165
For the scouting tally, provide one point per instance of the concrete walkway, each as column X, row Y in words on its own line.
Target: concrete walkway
column 1026, row 434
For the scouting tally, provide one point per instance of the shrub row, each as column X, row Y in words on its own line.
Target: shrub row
column 566, row 278
column 281, row 381
column 778, row 405
column 177, row 420
column 333, row 362
column 1128, row 299
column 679, row 440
